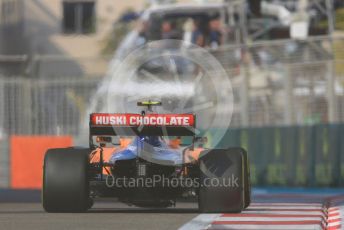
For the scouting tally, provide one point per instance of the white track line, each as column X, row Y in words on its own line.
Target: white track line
column 202, row 221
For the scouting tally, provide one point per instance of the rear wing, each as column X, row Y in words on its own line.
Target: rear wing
column 139, row 125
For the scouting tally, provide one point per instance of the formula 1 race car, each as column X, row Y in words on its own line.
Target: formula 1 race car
column 147, row 160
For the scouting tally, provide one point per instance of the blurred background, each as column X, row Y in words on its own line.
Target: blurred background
column 285, row 59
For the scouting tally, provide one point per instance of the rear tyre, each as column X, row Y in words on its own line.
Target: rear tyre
column 247, row 181
column 65, row 180
column 223, row 181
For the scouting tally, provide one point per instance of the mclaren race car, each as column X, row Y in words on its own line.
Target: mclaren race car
column 148, row 160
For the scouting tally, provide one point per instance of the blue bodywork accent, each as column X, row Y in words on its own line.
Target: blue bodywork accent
column 159, row 150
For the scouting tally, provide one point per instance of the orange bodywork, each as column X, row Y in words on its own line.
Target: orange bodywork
column 108, row 152
column 192, row 155
column 189, row 157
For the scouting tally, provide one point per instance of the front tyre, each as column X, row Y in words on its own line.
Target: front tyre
column 65, row 180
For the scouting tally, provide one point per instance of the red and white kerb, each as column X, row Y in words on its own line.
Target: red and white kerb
column 101, row 119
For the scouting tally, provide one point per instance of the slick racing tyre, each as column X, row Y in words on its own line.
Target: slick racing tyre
column 247, row 181
column 224, row 181
column 65, row 180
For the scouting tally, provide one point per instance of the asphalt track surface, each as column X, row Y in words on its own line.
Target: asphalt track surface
column 271, row 209
column 30, row 216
